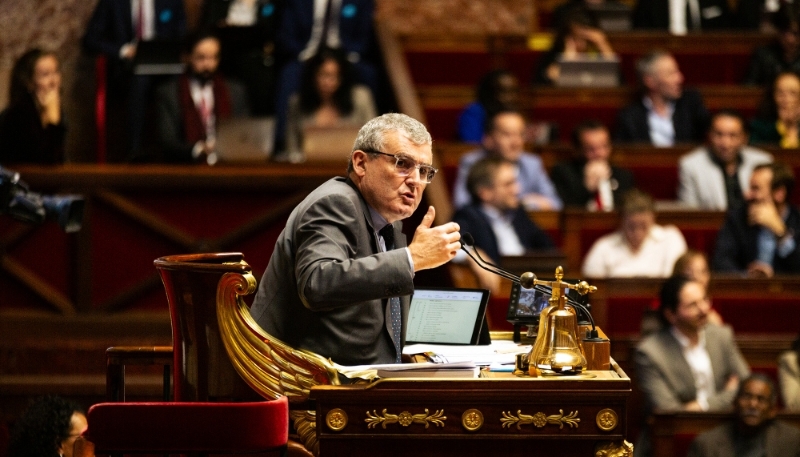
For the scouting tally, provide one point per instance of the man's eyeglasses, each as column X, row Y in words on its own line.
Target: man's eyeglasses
column 405, row 166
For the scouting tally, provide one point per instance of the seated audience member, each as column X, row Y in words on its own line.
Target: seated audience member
column 48, row 428
column 328, row 97
column 762, row 237
column 687, row 365
column 639, row 248
column 694, row 265
column 682, row 16
column 782, row 55
column 754, row 431
column 495, row 218
column 577, row 36
column 503, row 136
column 789, row 377
column 497, row 90
column 590, row 181
column 778, row 123
column 713, row 177
column 190, row 106
column 666, row 113
column 246, row 29
column 115, row 30
column 32, row 127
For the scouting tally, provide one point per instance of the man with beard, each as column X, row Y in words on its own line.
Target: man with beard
column 340, row 276
column 666, row 113
column 761, row 238
column 713, row 177
column 689, row 365
column 754, row 432
column 190, row 107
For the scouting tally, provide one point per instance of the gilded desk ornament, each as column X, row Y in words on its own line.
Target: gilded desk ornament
column 336, row 419
column 405, row 418
column 607, row 419
column 472, row 420
column 612, row 449
column 539, row 419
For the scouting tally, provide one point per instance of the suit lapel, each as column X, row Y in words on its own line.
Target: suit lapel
column 681, row 373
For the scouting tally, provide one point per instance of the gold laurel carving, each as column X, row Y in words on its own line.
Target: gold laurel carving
column 607, row 419
column 305, row 423
column 612, row 449
column 271, row 367
column 539, row 419
column 336, row 419
column 405, row 418
column 472, row 420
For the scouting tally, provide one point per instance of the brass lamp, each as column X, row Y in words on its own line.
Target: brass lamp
column 558, row 348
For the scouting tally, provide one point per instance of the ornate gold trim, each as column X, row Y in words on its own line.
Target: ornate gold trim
column 612, row 449
column 472, row 420
column 336, row 419
column 607, row 419
column 405, row 418
column 539, row 419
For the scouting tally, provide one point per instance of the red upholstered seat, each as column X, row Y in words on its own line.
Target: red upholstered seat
column 173, row 427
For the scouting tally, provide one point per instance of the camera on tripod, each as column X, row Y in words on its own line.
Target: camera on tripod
column 20, row 203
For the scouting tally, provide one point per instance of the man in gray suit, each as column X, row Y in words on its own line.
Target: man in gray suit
column 688, row 365
column 754, row 432
column 716, row 177
column 334, row 284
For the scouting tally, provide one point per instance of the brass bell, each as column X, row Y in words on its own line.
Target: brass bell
column 558, row 348
column 560, row 351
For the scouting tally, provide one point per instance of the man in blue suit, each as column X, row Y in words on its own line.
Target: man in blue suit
column 115, row 29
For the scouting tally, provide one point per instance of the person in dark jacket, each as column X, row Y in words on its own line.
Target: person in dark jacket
column 495, row 218
column 666, row 113
column 32, row 128
column 782, row 54
column 590, row 181
column 762, row 237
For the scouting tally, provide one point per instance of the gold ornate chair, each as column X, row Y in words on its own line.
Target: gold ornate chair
column 269, row 366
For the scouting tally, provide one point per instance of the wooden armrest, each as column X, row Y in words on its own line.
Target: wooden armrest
column 119, row 356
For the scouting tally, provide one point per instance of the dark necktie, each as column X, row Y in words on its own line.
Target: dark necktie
column 387, row 233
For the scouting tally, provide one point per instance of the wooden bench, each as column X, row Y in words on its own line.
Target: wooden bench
column 707, row 58
column 566, row 107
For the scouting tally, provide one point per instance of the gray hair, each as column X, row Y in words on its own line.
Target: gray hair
column 644, row 66
column 372, row 135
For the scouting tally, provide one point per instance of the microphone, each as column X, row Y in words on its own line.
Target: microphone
column 468, row 240
column 527, row 280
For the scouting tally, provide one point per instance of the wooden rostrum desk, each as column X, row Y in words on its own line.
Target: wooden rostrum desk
column 498, row 415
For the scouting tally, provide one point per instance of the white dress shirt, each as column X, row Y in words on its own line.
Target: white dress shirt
column 148, row 17
column 611, row 257
column 332, row 38
column 700, row 363
column 507, row 240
